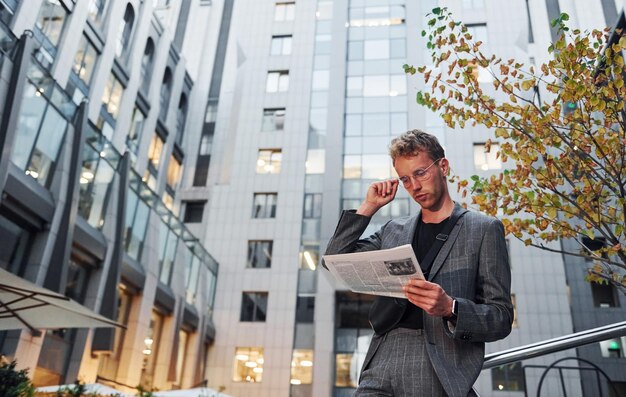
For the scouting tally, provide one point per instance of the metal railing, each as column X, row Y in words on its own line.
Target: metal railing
column 554, row 345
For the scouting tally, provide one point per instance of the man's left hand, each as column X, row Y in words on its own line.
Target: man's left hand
column 428, row 296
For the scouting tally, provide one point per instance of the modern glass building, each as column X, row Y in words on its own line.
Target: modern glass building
column 241, row 128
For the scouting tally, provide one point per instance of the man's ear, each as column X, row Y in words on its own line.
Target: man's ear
column 445, row 166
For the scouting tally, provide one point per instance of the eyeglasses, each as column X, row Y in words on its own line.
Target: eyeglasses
column 420, row 174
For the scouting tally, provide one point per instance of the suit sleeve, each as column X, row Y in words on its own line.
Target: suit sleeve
column 489, row 316
column 346, row 237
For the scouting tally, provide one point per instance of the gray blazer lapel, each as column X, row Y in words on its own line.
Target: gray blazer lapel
column 447, row 246
column 408, row 230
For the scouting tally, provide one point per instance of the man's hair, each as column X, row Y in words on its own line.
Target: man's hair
column 414, row 142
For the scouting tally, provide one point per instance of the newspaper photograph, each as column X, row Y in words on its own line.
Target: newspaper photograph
column 381, row 272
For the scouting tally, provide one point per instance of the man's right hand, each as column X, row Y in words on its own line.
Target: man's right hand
column 379, row 194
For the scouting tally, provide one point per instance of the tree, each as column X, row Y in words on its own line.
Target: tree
column 561, row 132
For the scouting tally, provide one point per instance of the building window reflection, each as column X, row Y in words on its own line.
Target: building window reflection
column 134, row 132
column 508, row 377
column 281, row 45
column 146, row 66
column 284, row 11
column 259, row 254
column 125, row 31
column 264, row 205
column 168, row 243
column 166, row 92
column 273, row 119
column 277, row 81
column 15, row 245
column 181, row 118
column 192, row 272
column 253, row 306
column 150, row 349
column 95, row 180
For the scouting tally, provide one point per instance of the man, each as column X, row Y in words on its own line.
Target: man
column 433, row 342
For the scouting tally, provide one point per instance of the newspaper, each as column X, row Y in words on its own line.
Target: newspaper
column 382, row 272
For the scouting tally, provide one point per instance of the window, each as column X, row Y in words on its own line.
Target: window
column 285, row 11
column 181, row 117
column 302, row 367
column 183, row 340
column 281, row 45
column 508, row 377
column 253, row 306
column 264, row 205
column 146, row 66
column 112, row 96
column 194, row 210
column 151, row 341
column 259, row 254
column 273, row 119
column 154, row 152
column 95, row 183
column 613, row 348
column 248, row 365
column 166, row 91
column 125, row 30
column 85, row 60
column 173, row 172
column 51, row 20
column 312, row 205
column 39, row 136
column 15, row 245
column 136, row 222
column 168, row 242
column 269, row 161
column 305, row 309
column 134, row 132
column 309, row 257
column 352, row 336
column 486, row 160
column 96, row 11
column 192, row 270
column 277, row 81
column 604, row 295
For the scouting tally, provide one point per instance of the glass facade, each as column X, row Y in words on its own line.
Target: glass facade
column 40, row 133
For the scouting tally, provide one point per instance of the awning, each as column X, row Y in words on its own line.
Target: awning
column 24, row 305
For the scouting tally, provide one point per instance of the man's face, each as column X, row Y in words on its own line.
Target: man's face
column 429, row 190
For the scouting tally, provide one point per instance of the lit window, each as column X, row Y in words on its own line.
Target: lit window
column 285, row 11
column 248, row 365
column 264, row 205
column 302, row 367
column 508, row 377
column 273, row 119
column 281, row 45
column 85, row 60
column 309, row 257
column 277, row 81
column 154, row 151
column 112, row 96
column 259, row 254
column 484, row 160
column 253, row 306
column 173, row 172
column 613, row 348
column 150, row 349
column 269, row 161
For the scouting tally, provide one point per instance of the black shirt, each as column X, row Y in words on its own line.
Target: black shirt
column 425, row 235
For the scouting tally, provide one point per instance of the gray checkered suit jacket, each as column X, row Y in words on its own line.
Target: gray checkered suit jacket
column 472, row 267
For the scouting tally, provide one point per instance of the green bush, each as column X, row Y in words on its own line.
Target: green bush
column 15, row 383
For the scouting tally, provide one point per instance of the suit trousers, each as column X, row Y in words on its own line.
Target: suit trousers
column 400, row 367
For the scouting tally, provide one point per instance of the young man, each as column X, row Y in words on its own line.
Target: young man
column 433, row 342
